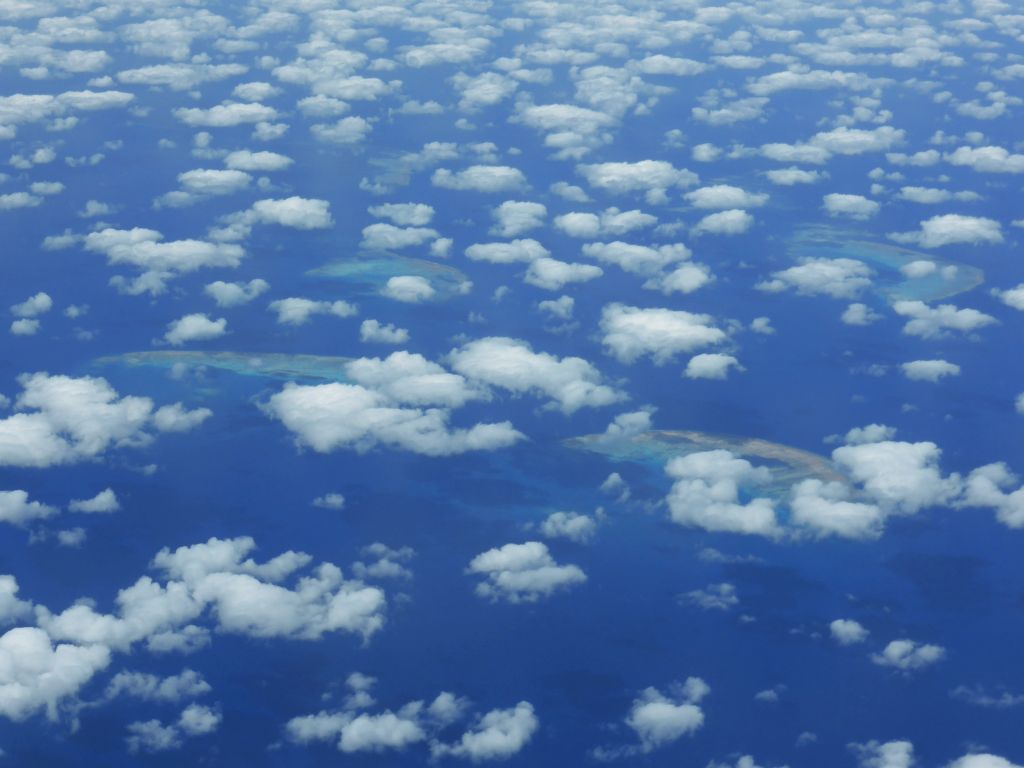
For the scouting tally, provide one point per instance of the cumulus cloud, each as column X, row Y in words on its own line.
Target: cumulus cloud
column 194, row 327
column 851, row 206
column 522, row 573
column 908, row 655
column 631, row 333
column 298, row 311
column 514, row 217
column 571, row 382
column 16, row 509
column 723, row 196
column 569, row 525
column 65, row 420
column 929, row 370
column 838, row 278
column 652, row 177
column 499, row 734
column 952, row 229
column 936, row 322
column 659, row 719
column 848, row 632
column 553, row 275
column 235, row 294
column 706, row 494
column 731, row 222
column 480, row 178
column 711, row 365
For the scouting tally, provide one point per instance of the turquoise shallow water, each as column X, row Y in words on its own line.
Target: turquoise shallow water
column 269, row 365
column 949, row 278
column 369, row 273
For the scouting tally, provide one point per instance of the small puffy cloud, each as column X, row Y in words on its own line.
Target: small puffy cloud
column 929, row 370
column 986, row 487
column 514, row 217
column 26, row 326
column 383, row 237
column 631, row 333
column 225, row 115
column 138, row 685
column 983, row 760
column 891, row 754
column 569, row 525
column 571, row 382
column 723, row 196
column 525, row 250
column 64, row 420
column 788, row 177
column 500, row 734
column 659, row 719
column 295, row 212
column 480, row 178
column 852, row 206
column 611, row 221
column 935, row 322
column 638, row 259
column 404, row 214
column 838, row 278
column 900, row 477
column 328, row 417
column 16, row 509
column 235, row 294
column 257, row 162
column 952, row 229
column 175, row 418
column 706, row 494
column 552, row 274
column 986, row 159
column 36, row 674
column 713, row 597
column 1013, row 297
column 36, row 305
column 908, row 655
column 103, row 502
column 329, row 501
column 652, row 177
column 660, row 64
column 857, row 141
column 847, row 632
column 859, row 314
column 410, row 289
column 522, row 573
column 731, row 222
column 711, row 365
column 194, row 327
column 347, row 130
column 380, row 333
column 823, row 509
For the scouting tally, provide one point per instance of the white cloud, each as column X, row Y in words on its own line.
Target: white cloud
column 36, row 305
column 571, row 382
column 838, row 278
column 929, row 370
column 235, row 294
column 853, row 206
column 259, row 162
column 952, row 229
column 522, row 573
column 225, row 115
column 631, row 333
column 986, row 159
column 985, row 488
column 347, row 130
column 327, row 417
column 824, row 509
column 376, row 332
column 553, row 275
column 513, row 217
column 1014, row 297
column 381, row 236
column 660, row 719
column 857, row 141
column 194, row 327
column 410, row 289
column 731, row 222
column 16, row 509
column 908, row 655
column 103, row 502
column 611, row 221
column 859, row 314
column 639, row 259
column 706, row 494
column 64, row 420
column 404, row 214
column 498, row 735
column 711, row 365
column 934, row 322
column 480, row 178
column 892, row 754
column 787, row 177
column 722, row 196
column 848, row 632
column 569, row 525
column 713, row 597
column 525, row 250
column 652, row 177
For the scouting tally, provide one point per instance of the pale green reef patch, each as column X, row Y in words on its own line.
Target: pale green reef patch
column 267, row 365
column 369, row 273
